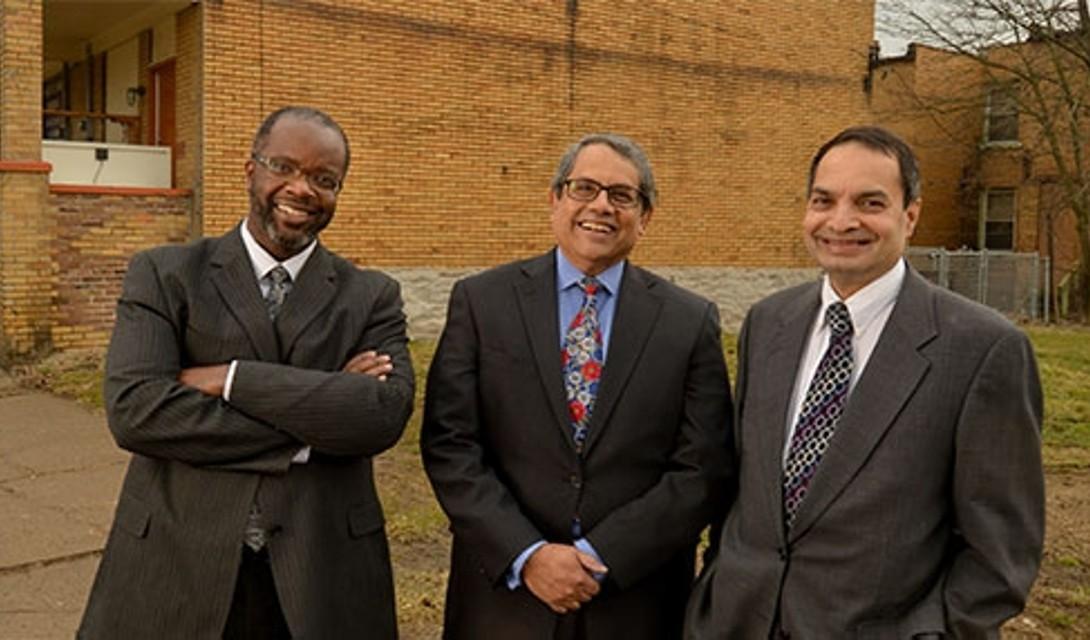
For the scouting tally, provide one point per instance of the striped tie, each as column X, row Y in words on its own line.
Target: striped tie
column 820, row 412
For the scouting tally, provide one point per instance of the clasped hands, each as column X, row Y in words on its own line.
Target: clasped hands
column 561, row 576
column 211, row 379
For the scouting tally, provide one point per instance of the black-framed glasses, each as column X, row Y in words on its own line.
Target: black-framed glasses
column 622, row 196
column 326, row 181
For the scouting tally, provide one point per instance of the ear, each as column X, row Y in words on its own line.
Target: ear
column 554, row 200
column 912, row 216
column 645, row 219
column 248, row 169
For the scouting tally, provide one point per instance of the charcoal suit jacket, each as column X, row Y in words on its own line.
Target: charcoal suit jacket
column 199, row 462
column 498, row 448
column 926, row 514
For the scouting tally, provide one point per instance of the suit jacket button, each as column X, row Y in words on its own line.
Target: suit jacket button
column 783, row 553
column 575, row 480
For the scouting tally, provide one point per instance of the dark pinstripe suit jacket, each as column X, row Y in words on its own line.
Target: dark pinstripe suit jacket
column 198, row 463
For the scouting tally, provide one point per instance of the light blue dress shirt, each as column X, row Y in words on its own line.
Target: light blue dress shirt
column 570, row 299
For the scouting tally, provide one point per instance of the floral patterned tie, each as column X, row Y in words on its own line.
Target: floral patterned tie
column 581, row 360
column 820, row 412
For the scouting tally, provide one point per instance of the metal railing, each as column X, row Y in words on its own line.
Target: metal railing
column 1016, row 284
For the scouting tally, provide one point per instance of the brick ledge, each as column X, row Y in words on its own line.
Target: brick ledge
column 25, row 166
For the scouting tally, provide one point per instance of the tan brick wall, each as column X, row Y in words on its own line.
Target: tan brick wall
column 26, row 230
column 21, row 81
column 27, row 269
column 458, row 112
column 97, row 234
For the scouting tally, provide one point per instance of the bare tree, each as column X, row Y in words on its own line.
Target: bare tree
column 1040, row 48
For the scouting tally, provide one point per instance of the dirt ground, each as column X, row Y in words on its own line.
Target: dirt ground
column 1059, row 605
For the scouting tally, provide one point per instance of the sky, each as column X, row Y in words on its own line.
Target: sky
column 891, row 45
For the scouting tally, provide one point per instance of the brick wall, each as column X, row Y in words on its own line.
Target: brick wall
column 917, row 97
column 458, row 112
column 98, row 231
column 26, row 268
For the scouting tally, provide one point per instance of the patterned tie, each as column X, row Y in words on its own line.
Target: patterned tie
column 279, row 285
column 820, row 411
column 582, row 360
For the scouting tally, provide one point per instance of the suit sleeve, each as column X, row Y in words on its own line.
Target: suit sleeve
column 998, row 487
column 695, row 487
column 336, row 412
column 274, row 409
column 479, row 505
column 151, row 413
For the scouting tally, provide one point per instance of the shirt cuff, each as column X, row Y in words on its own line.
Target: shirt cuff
column 586, row 547
column 514, row 574
column 229, row 381
column 302, row 456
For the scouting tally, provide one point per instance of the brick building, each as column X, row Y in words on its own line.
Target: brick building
column 456, row 111
column 989, row 178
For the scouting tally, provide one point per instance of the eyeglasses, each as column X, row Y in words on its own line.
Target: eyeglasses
column 621, row 196
column 326, row 181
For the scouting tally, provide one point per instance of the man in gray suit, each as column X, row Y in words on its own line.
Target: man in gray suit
column 576, row 424
column 890, row 473
column 253, row 377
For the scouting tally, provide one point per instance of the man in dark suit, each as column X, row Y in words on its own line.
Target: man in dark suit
column 254, row 376
column 892, row 487
column 576, row 506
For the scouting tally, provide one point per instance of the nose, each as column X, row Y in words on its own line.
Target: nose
column 298, row 185
column 844, row 217
column 602, row 200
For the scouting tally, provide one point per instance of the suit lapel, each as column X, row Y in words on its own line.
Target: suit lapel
column 313, row 291
column 234, row 280
column 778, row 383
column 536, row 296
column 634, row 317
column 892, row 375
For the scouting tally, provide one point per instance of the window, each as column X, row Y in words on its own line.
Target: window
column 1001, row 114
column 997, row 220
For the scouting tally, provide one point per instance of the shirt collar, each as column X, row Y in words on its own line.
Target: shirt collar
column 568, row 275
column 865, row 304
column 263, row 262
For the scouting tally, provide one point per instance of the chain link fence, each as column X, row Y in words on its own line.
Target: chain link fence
column 1013, row 283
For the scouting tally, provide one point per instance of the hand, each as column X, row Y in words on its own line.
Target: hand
column 208, row 380
column 370, row 363
column 560, row 576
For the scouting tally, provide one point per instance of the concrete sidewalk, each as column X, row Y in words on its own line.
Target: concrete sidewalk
column 60, row 473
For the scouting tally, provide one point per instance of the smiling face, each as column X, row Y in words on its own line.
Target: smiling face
column 596, row 235
column 856, row 225
column 286, row 212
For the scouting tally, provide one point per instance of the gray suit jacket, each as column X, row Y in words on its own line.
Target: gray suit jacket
column 497, row 445
column 927, row 512
column 198, row 462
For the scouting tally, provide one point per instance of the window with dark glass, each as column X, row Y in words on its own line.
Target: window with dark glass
column 997, row 220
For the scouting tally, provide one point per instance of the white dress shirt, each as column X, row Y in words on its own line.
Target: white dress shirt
column 263, row 263
column 869, row 308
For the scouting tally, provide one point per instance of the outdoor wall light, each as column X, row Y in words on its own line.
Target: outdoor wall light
column 134, row 93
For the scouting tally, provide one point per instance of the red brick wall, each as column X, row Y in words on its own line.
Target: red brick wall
column 97, row 233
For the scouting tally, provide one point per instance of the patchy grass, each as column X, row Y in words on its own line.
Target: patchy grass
column 419, row 540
